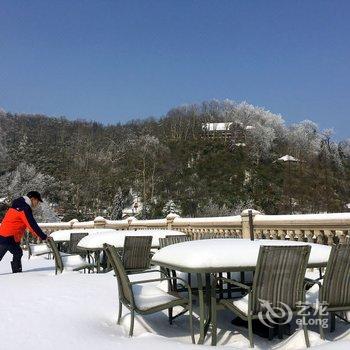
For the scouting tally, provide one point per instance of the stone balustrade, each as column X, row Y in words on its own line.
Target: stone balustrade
column 320, row 228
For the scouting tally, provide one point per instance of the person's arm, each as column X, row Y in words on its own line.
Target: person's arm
column 32, row 224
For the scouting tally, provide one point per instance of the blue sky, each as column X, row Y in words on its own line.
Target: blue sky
column 115, row 60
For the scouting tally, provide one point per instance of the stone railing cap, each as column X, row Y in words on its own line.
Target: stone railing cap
column 172, row 216
column 245, row 212
column 99, row 218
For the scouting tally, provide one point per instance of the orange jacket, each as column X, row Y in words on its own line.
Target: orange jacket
column 19, row 218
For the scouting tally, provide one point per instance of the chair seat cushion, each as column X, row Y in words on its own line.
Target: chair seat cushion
column 150, row 296
column 38, row 249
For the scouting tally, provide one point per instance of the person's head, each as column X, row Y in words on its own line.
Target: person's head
column 35, row 198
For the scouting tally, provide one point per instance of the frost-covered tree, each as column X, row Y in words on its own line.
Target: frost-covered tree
column 344, row 148
column 3, row 151
column 146, row 153
column 211, row 209
column 304, row 139
column 171, row 207
column 146, row 212
column 24, row 179
column 260, row 127
column 330, row 149
column 45, row 213
column 121, row 200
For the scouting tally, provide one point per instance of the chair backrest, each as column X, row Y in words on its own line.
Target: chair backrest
column 168, row 240
column 74, row 240
column 56, row 254
column 279, row 276
column 336, row 281
column 137, row 252
column 124, row 286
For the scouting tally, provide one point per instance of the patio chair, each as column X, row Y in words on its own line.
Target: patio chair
column 333, row 291
column 63, row 260
column 142, row 299
column 169, row 240
column 75, row 238
column 36, row 249
column 278, row 280
column 136, row 255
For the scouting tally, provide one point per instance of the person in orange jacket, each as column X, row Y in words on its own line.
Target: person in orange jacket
column 16, row 220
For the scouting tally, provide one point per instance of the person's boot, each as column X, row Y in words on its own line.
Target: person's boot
column 16, row 266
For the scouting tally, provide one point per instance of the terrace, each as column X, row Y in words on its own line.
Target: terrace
column 75, row 309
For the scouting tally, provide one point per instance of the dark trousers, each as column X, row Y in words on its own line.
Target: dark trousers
column 8, row 244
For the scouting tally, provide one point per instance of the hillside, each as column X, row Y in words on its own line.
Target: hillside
column 87, row 169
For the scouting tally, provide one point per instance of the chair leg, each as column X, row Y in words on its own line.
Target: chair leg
column 306, row 334
column 120, row 311
column 320, row 318
column 242, row 281
column 132, row 320
column 213, row 315
column 170, row 313
column 271, row 332
column 221, row 287
column 173, row 273
column 170, row 282
column 229, row 286
column 191, row 324
column 201, row 303
column 288, row 329
column 280, row 331
column 250, row 332
column 332, row 321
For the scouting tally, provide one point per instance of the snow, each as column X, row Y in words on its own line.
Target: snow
column 71, row 262
column 64, row 235
column 39, row 249
column 312, row 294
column 146, row 296
column 299, row 220
column 228, row 252
column 216, row 126
column 41, row 311
column 288, row 158
column 96, row 241
column 242, row 304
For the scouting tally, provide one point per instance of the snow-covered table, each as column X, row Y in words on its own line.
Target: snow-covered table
column 222, row 255
column 94, row 241
column 229, row 254
column 64, row 235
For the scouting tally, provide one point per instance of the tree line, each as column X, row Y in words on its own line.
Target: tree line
column 173, row 164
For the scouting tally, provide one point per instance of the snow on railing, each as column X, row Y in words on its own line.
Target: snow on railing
column 321, row 228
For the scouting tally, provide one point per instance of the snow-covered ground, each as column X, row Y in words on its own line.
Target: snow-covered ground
column 74, row 310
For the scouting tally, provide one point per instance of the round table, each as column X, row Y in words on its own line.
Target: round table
column 93, row 243
column 227, row 254
column 222, row 255
column 64, row 235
